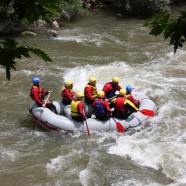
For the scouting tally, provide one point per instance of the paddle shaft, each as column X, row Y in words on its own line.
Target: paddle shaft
column 47, row 99
column 112, row 97
column 87, row 128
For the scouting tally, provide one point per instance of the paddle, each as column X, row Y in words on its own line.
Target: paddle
column 119, row 126
column 87, row 128
column 113, row 97
column 147, row 112
column 47, row 99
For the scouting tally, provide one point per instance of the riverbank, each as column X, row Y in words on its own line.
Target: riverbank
column 9, row 27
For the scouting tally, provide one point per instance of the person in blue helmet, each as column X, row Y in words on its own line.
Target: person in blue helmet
column 130, row 97
column 37, row 94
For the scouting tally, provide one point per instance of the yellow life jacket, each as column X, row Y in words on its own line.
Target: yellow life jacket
column 94, row 93
column 74, row 109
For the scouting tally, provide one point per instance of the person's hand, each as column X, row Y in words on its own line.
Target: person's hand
column 84, row 117
column 43, row 105
column 49, row 91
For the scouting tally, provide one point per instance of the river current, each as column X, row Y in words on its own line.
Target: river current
column 102, row 46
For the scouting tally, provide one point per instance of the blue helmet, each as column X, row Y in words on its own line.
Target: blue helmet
column 36, row 80
column 129, row 88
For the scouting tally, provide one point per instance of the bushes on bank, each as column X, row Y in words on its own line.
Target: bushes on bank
column 141, row 7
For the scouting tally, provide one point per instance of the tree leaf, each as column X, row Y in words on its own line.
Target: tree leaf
column 40, row 53
column 28, row 33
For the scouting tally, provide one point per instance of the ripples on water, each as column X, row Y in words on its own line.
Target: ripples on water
column 101, row 47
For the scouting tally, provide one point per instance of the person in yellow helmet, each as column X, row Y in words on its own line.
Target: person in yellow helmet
column 101, row 107
column 77, row 108
column 67, row 93
column 110, row 88
column 90, row 91
column 122, row 106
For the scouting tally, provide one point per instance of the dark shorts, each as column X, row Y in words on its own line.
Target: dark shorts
column 78, row 118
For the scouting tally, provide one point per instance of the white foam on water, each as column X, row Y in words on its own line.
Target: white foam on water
column 8, row 154
column 163, row 147
column 55, row 164
column 98, row 39
column 84, row 177
column 59, row 163
column 103, row 74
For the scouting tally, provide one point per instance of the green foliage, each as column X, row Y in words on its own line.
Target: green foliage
column 28, row 33
column 30, row 11
column 10, row 50
column 141, row 7
column 70, row 9
column 170, row 28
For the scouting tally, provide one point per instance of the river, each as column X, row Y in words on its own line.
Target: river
column 102, row 46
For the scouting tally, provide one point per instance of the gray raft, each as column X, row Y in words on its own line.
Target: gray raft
column 63, row 121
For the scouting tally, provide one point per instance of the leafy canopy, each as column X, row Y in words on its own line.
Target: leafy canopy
column 175, row 30
column 10, row 51
column 31, row 10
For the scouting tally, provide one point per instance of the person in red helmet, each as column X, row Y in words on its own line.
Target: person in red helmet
column 110, row 88
column 77, row 107
column 130, row 97
column 122, row 106
column 37, row 94
column 90, row 91
column 101, row 107
column 67, row 93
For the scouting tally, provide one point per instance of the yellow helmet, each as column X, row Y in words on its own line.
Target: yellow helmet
column 115, row 79
column 122, row 92
column 79, row 95
column 68, row 83
column 92, row 79
column 100, row 94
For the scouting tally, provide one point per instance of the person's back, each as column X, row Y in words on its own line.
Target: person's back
column 110, row 88
column 77, row 108
column 122, row 106
column 67, row 93
column 101, row 107
column 90, row 91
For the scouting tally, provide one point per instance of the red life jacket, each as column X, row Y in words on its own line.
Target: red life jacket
column 119, row 104
column 41, row 92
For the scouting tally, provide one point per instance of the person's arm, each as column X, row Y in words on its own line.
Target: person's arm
column 130, row 105
column 131, row 98
column 106, row 88
column 107, row 107
column 94, row 104
column 80, row 108
column 119, row 88
column 89, row 91
column 69, row 95
column 36, row 96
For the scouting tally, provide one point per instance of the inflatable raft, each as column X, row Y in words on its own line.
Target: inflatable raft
column 63, row 121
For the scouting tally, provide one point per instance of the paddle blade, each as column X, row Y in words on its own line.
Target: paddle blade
column 120, row 127
column 147, row 112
